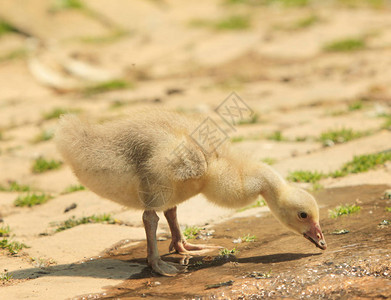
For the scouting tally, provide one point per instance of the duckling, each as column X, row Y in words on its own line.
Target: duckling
column 137, row 163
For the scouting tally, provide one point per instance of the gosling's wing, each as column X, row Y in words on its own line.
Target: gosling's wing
column 179, row 160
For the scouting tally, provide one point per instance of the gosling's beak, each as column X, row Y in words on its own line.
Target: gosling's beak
column 315, row 235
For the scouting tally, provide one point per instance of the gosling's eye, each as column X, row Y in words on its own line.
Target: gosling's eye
column 303, row 215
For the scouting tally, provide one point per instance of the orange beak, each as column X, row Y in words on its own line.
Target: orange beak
column 315, row 236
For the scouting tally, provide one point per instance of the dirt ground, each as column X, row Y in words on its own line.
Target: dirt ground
column 303, row 67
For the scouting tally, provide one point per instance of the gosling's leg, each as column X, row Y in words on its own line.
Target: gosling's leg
column 151, row 219
column 178, row 241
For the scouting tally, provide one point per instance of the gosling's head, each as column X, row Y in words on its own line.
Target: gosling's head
column 300, row 213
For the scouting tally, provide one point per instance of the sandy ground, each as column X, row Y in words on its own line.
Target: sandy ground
column 180, row 56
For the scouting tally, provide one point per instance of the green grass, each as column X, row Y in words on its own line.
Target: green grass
column 356, row 105
column 14, row 54
column 345, row 45
column 343, row 135
column 362, row 163
column 191, row 232
column 11, row 246
column 43, row 136
column 68, row 4
column 6, row 27
column 107, row 86
column 258, row 203
column 306, row 22
column 276, row 136
column 55, row 113
column 342, row 210
column 284, row 3
column 4, row 231
column 5, row 276
column 73, row 188
column 235, row 22
column 13, row 186
column 305, row 176
column 253, row 120
column 72, row 222
column 387, row 122
column 41, row 165
column 32, row 199
column 268, row 160
column 388, row 209
column 225, row 251
column 237, row 139
column 248, row 238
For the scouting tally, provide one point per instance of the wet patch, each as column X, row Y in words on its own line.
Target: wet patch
column 279, row 263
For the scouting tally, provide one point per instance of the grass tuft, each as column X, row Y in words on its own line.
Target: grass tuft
column 248, row 238
column 268, row 160
column 6, row 27
column 5, row 276
column 306, row 22
column 227, row 252
column 343, row 135
column 41, row 165
column 234, row 22
column 345, row 45
column 55, row 113
column 12, row 247
column 253, row 120
column 13, row 186
column 388, row 209
column 43, row 136
column 276, row 136
column 74, row 188
column 362, row 163
column 4, row 231
column 191, row 232
column 343, row 210
column 107, row 86
column 72, row 222
column 68, row 4
column 357, row 105
column 32, row 199
column 306, row 176
column 258, row 203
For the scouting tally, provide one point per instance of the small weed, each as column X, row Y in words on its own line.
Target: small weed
column 42, row 262
column 6, row 27
column 12, row 247
column 191, row 232
column 301, row 138
column 107, row 86
column 276, row 136
column 306, row 22
column 316, row 186
column 258, row 203
column 235, row 22
column 226, row 252
column 72, row 222
column 111, row 37
column 55, row 113
column 285, row 3
column 248, row 238
column 357, row 105
column 260, row 275
column 5, row 276
column 32, row 199
column 387, row 122
column 74, row 188
column 253, row 120
column 237, row 139
column 68, row 4
column 345, row 45
column 5, row 231
column 343, row 135
column 388, row 209
column 268, row 160
column 13, row 186
column 362, row 163
column 43, row 136
column 343, row 210
column 41, row 165
column 14, row 54
column 305, row 176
